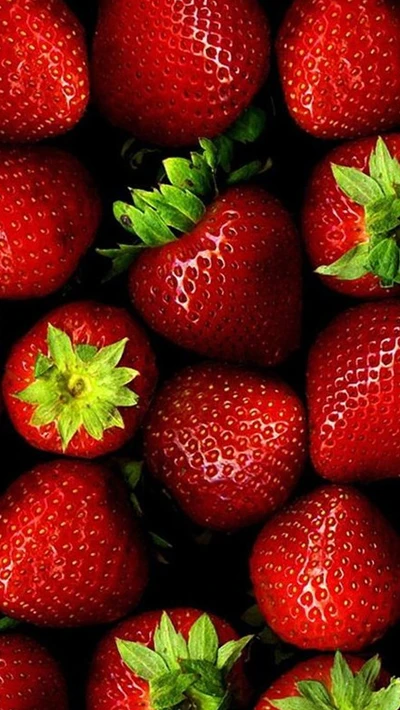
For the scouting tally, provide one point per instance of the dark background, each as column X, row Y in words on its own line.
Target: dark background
column 211, row 576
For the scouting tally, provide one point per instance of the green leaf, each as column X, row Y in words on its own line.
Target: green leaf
column 203, row 640
column 182, row 173
column 123, row 213
column 132, row 473
column 245, row 172
column 224, row 147
column 352, row 265
column 231, row 651
column 184, row 201
column 342, row 682
column 384, row 261
column 42, row 365
column 364, row 683
column 160, row 542
column 383, row 216
column 361, row 188
column 122, row 257
column 69, row 422
column 144, row 662
column 169, row 643
column 386, row 698
column 294, row 704
column 108, row 358
column 249, row 126
column 172, row 216
column 60, row 348
column 253, row 617
column 384, row 168
column 316, row 693
column 7, row 624
column 210, row 680
column 168, row 690
column 210, row 153
column 85, row 353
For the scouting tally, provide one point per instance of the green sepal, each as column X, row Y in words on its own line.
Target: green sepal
column 231, row 652
column 169, row 643
column 246, row 172
column 79, row 387
column 209, row 679
column 7, row 624
column 143, row 661
column 348, row 691
column 168, row 690
column 122, row 257
column 249, row 126
column 203, row 640
column 379, row 195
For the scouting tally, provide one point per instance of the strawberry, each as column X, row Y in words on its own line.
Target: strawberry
column 160, row 659
column 29, row 677
column 49, row 214
column 229, row 444
column 72, row 553
column 43, row 70
column 338, row 82
column 352, row 216
column 353, row 383
column 337, row 683
column 178, row 70
column 230, row 286
column 326, row 571
column 80, row 380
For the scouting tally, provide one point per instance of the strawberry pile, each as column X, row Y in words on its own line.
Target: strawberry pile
column 200, row 352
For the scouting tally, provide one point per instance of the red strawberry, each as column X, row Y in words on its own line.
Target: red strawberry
column 29, row 677
column 72, row 553
column 326, row 571
column 127, row 674
column 338, row 682
column 80, row 380
column 228, row 443
column 352, row 215
column 49, row 214
column 178, row 70
column 353, row 385
column 340, row 66
column 231, row 287
column 43, row 70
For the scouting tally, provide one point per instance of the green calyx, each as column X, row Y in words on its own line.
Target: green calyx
column 176, row 205
column 182, row 673
column 79, row 387
column 379, row 194
column 348, row 691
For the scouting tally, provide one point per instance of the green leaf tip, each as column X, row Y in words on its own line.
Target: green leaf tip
column 179, row 671
column 346, row 691
column 378, row 193
column 79, row 387
column 157, row 217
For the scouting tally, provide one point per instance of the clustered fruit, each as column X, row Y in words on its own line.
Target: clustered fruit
column 182, row 389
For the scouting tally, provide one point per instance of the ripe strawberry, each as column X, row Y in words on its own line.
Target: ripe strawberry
column 29, row 677
column 352, row 215
column 72, row 553
column 197, row 659
column 178, row 70
column 228, row 443
column 340, row 66
column 336, row 682
column 43, row 70
column 353, row 384
column 80, row 380
column 49, row 214
column 326, row 571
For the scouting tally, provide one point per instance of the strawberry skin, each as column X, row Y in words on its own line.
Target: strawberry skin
column 326, row 571
column 333, row 223
column 29, row 677
column 230, row 288
column 49, row 214
column 113, row 685
column 86, row 322
column 43, row 70
column 179, row 70
column 72, row 553
column 338, row 82
column 353, row 384
column 229, row 444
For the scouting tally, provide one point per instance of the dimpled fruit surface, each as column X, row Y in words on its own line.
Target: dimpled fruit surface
column 353, row 395
column 228, row 443
column 326, row 571
column 71, row 551
column 193, row 66
column 44, row 82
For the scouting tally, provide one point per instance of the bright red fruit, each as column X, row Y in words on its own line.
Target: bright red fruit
column 29, row 677
column 231, row 287
column 343, row 683
column 49, row 214
column 326, row 571
column 351, row 217
column 353, row 385
column 229, row 444
column 80, row 380
column 43, row 70
column 178, row 70
column 340, row 65
column 113, row 684
column 72, row 553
